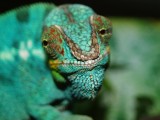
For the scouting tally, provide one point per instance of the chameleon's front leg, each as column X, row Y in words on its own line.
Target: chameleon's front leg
column 47, row 112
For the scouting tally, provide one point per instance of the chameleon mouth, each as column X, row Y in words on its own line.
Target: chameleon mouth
column 88, row 63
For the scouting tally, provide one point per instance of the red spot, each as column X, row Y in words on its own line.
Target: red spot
column 58, row 48
column 52, row 31
column 99, row 20
column 60, row 40
column 62, row 52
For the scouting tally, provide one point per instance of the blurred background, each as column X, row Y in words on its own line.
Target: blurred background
column 131, row 89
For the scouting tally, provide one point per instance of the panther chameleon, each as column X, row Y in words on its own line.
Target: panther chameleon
column 50, row 56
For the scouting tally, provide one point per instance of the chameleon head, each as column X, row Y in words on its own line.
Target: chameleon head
column 79, row 50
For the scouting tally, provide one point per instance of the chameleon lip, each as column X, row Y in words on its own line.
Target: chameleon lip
column 88, row 63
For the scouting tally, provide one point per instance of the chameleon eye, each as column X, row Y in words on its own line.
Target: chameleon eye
column 45, row 43
column 102, row 31
column 105, row 32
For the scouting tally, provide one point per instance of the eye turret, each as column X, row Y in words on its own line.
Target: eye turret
column 52, row 42
column 102, row 26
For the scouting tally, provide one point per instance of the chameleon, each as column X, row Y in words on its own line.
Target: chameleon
column 50, row 56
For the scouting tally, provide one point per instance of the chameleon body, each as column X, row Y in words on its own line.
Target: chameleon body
column 50, row 54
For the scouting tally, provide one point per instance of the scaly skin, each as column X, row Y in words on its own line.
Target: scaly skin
column 75, row 41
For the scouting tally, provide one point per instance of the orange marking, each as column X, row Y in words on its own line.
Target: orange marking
column 54, row 64
column 52, row 30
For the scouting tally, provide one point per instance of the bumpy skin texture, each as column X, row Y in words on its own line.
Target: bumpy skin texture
column 75, row 41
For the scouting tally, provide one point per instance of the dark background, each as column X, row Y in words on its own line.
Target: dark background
column 127, row 8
